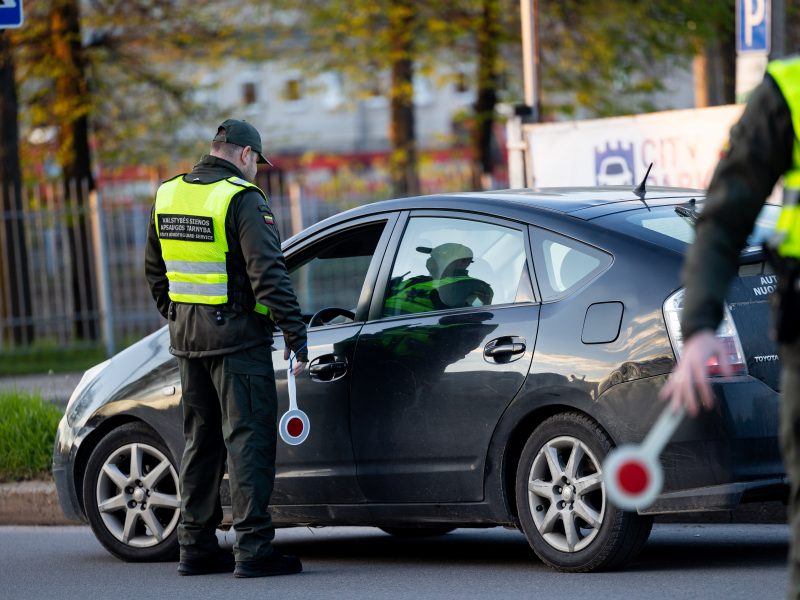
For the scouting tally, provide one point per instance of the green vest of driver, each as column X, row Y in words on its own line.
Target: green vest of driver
column 411, row 296
column 422, row 294
column 786, row 74
column 190, row 222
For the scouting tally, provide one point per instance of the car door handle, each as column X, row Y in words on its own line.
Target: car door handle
column 327, row 368
column 504, row 349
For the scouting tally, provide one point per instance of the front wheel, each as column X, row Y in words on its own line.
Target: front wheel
column 563, row 507
column 131, row 495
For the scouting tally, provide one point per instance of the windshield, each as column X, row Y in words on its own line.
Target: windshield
column 670, row 224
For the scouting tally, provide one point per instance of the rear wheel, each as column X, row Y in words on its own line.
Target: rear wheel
column 561, row 499
column 131, row 495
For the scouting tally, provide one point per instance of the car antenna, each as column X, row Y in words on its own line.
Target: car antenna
column 640, row 189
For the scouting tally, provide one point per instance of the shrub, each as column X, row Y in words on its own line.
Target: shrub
column 27, row 432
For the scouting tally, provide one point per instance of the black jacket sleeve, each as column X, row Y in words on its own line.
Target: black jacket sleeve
column 154, row 268
column 266, row 267
column 760, row 153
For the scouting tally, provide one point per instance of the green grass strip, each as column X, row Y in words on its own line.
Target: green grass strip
column 27, row 432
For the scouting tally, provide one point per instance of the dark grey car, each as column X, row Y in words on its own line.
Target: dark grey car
column 491, row 402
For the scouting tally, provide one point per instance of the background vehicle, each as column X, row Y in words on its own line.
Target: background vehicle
column 478, row 409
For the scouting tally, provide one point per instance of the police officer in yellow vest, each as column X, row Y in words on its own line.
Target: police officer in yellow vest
column 217, row 274
column 764, row 146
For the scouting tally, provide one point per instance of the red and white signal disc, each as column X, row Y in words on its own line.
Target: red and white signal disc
column 294, row 425
column 632, row 474
column 633, row 478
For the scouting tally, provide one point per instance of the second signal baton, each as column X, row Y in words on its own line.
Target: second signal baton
column 633, row 475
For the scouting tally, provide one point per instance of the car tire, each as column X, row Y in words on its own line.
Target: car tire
column 131, row 495
column 417, row 532
column 561, row 500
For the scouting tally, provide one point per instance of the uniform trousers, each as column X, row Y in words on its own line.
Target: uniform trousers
column 229, row 410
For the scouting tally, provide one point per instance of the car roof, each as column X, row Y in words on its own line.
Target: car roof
column 572, row 200
column 581, row 202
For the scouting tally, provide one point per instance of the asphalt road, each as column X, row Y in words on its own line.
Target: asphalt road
column 679, row 561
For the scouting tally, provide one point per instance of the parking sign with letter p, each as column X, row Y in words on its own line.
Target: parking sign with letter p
column 753, row 25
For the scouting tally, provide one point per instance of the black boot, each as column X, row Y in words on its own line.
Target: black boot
column 217, row 562
column 274, row 564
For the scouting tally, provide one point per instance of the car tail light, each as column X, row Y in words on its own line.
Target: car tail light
column 726, row 332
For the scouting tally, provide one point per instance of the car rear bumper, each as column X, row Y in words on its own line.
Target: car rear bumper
column 724, row 456
column 734, row 443
column 719, row 497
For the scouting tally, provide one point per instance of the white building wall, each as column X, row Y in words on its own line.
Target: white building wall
column 325, row 119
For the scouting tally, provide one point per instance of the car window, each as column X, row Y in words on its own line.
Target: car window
column 332, row 272
column 677, row 222
column 563, row 263
column 445, row 263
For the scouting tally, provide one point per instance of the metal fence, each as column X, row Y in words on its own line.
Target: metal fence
column 72, row 263
column 71, row 273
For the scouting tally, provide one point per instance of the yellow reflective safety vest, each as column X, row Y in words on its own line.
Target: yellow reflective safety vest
column 190, row 223
column 786, row 74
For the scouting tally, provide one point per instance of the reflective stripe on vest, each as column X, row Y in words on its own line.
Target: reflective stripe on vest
column 190, row 223
column 786, row 74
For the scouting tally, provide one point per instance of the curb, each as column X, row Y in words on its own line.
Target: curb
column 31, row 503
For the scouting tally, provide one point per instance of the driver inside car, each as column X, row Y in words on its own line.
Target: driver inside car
column 448, row 284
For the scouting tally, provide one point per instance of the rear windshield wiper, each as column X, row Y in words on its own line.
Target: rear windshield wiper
column 689, row 213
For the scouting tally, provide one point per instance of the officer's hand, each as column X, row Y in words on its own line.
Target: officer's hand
column 688, row 385
column 299, row 362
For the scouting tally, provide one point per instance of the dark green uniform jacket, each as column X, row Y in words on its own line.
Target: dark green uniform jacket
column 760, row 152
column 257, row 271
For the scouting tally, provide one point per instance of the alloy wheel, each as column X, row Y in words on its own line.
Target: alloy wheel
column 138, row 496
column 566, row 494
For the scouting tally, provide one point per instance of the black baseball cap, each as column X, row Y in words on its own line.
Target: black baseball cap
column 242, row 134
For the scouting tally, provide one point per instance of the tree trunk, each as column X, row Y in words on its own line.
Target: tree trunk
column 403, row 163
column 15, row 303
column 727, row 53
column 72, row 113
column 488, row 35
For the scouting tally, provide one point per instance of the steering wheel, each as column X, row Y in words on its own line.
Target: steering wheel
column 323, row 315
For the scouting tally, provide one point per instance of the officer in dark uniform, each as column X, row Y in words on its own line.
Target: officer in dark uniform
column 216, row 271
column 764, row 146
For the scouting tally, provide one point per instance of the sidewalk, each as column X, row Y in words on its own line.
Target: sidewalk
column 54, row 387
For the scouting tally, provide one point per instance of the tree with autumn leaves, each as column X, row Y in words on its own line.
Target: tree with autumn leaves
column 110, row 76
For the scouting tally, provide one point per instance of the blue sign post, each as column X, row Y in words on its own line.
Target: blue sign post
column 10, row 14
column 753, row 26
